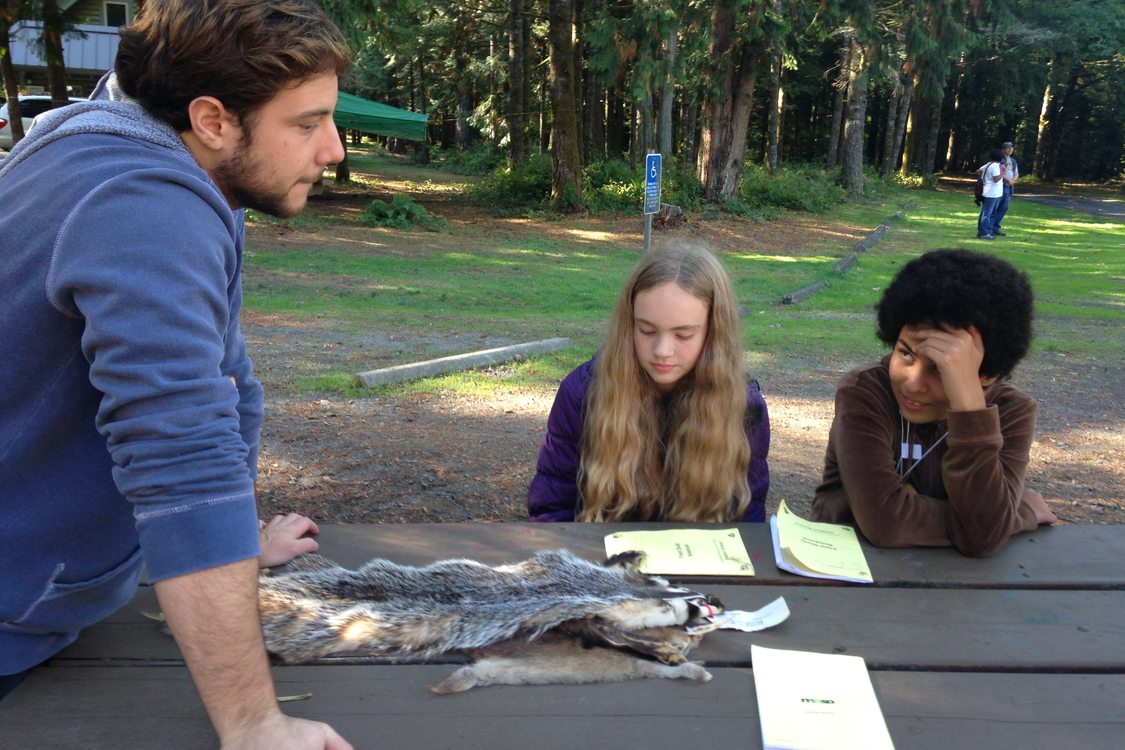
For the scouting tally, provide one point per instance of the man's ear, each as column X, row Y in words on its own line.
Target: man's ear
column 213, row 126
column 986, row 381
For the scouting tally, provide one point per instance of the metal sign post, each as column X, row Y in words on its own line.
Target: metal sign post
column 653, row 172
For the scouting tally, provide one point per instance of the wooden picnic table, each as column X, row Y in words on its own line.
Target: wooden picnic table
column 1024, row 649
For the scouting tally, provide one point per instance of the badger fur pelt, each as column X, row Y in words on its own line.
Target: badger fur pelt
column 553, row 618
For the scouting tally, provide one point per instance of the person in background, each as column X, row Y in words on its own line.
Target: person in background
column 129, row 412
column 992, row 173
column 1011, row 174
column 662, row 424
column 929, row 446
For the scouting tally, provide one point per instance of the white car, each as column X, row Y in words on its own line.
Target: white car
column 31, row 106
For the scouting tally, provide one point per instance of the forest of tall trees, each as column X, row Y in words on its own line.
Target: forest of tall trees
column 914, row 86
column 911, row 86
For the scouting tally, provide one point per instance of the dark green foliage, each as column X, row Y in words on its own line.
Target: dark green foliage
column 799, row 187
column 481, row 159
column 682, row 187
column 528, row 186
column 400, row 213
column 614, row 185
column 879, row 188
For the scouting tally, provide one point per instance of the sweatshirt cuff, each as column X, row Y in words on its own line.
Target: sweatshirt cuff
column 200, row 535
column 979, row 427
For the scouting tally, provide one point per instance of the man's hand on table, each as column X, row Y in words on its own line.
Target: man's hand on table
column 281, row 731
column 286, row 537
column 213, row 614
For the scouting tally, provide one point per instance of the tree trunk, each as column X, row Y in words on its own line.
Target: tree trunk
column 646, row 140
column 593, row 100
column 578, row 43
column 464, row 90
column 617, row 139
column 886, row 164
column 343, row 169
column 423, row 106
column 53, row 52
column 951, row 160
column 1052, row 145
column 529, row 57
column 593, row 114
column 733, row 76
column 840, row 85
column 1047, row 116
column 11, row 84
column 691, row 129
column 667, row 96
column 566, row 151
column 929, row 154
column 546, row 123
column 903, row 118
column 777, row 100
column 855, row 119
column 517, row 105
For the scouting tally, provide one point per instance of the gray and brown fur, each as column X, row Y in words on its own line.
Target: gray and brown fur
column 553, row 618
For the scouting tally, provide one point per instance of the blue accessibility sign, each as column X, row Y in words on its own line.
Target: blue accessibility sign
column 653, row 172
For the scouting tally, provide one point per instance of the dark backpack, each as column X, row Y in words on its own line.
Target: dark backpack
column 978, row 190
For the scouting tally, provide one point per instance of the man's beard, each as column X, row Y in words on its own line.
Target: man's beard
column 239, row 177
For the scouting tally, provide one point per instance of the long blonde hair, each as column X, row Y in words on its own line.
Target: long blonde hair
column 700, row 475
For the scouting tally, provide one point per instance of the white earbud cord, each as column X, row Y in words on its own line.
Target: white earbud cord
column 905, row 452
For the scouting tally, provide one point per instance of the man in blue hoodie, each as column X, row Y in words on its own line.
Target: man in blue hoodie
column 129, row 413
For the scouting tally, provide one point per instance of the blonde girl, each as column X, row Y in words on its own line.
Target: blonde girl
column 662, row 424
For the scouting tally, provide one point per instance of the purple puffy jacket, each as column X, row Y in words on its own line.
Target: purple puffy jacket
column 553, row 495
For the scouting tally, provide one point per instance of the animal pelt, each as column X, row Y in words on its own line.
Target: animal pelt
column 553, row 618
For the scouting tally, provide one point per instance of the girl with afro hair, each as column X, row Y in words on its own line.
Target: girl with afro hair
column 930, row 445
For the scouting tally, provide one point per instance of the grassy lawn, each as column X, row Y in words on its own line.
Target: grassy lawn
column 1076, row 264
column 560, row 282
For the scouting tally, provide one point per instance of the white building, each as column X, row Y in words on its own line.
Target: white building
column 89, row 48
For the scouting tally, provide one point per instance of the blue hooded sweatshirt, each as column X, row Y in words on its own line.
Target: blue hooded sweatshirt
column 129, row 414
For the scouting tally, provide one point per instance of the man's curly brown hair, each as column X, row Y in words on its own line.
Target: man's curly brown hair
column 242, row 52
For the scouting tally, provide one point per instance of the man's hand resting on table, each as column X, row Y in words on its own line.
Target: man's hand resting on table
column 281, row 732
column 286, row 537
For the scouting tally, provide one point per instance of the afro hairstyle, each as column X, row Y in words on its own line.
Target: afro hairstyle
column 956, row 288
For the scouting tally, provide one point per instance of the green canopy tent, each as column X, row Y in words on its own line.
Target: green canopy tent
column 356, row 113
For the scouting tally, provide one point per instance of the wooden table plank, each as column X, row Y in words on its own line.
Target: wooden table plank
column 1086, row 556
column 937, row 629
column 389, row 706
column 934, row 629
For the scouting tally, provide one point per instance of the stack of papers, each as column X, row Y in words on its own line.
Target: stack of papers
column 817, row 550
column 809, row 701
column 687, row 552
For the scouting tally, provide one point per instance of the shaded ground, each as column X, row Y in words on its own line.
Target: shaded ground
column 444, row 457
column 1094, row 201
column 1109, row 208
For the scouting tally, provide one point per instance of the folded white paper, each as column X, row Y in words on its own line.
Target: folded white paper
column 810, row 701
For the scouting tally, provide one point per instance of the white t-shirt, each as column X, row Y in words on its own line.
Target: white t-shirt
column 992, row 189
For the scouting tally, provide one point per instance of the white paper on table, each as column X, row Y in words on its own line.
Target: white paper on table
column 810, row 701
column 774, row 613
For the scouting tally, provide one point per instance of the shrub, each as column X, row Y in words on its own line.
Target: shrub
column 614, row 185
column 803, row 187
column 400, row 213
column 481, row 159
column 526, row 186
